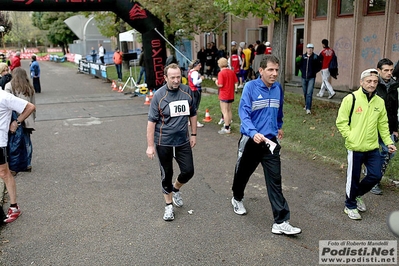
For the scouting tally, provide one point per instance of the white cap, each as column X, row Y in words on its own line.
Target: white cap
column 233, row 43
column 267, row 43
column 369, row 72
column 310, row 45
column 242, row 44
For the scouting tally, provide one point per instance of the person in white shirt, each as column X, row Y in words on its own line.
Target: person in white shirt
column 101, row 53
column 9, row 103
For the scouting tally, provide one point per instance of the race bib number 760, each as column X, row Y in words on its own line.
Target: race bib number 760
column 179, row 108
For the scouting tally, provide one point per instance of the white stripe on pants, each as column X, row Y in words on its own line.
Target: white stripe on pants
column 325, row 74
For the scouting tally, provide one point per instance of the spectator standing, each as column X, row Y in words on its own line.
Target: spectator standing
column 309, row 66
column 201, row 56
column 5, row 75
column 260, row 51
column 194, row 82
column 4, row 60
column 20, row 144
column 268, row 48
column 15, row 61
column 168, row 135
column 35, row 74
column 118, row 63
column 9, row 103
column 221, row 53
column 235, row 63
column 247, row 53
column 101, row 53
column 362, row 117
column 387, row 89
column 210, row 61
column 325, row 57
column 93, row 54
column 261, row 129
column 227, row 82
column 142, row 64
column 241, row 75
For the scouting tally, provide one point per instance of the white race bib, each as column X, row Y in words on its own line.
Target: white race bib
column 179, row 108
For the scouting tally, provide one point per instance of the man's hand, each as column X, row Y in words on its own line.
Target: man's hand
column 150, row 152
column 391, row 148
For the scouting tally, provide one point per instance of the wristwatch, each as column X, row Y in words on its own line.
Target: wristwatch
column 18, row 123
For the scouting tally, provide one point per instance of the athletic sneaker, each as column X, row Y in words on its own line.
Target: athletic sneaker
column 177, row 199
column 238, row 207
column 224, row 131
column 13, row 214
column 285, row 228
column 353, row 213
column 332, row 95
column 199, row 124
column 308, row 112
column 319, row 95
column 361, row 206
column 169, row 214
column 221, row 121
column 376, row 190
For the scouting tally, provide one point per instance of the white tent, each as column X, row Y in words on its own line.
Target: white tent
column 128, row 36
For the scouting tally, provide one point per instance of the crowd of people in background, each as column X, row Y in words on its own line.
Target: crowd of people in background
column 241, row 59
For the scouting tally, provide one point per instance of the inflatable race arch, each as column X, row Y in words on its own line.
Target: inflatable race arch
column 131, row 12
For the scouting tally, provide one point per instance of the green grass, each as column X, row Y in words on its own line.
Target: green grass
column 314, row 136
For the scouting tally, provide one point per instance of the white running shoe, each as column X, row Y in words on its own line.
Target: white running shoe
column 177, row 199
column 285, row 228
column 224, row 131
column 169, row 214
column 221, row 121
column 238, row 207
column 353, row 213
column 199, row 124
column 361, row 206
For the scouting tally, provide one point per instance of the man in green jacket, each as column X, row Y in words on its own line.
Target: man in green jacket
column 361, row 118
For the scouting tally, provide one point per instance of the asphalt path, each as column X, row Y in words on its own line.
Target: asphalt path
column 94, row 198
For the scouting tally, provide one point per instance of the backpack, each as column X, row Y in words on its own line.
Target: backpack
column 352, row 108
column 333, row 66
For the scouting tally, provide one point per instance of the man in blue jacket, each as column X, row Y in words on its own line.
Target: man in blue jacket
column 261, row 113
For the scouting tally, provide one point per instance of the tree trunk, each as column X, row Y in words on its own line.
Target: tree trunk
column 279, row 44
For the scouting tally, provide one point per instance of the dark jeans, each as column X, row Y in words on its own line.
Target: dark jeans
column 142, row 72
column 307, row 87
column 119, row 70
column 36, row 85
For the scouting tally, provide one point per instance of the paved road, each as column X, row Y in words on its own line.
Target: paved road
column 93, row 198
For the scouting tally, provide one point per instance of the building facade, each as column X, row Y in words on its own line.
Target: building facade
column 360, row 31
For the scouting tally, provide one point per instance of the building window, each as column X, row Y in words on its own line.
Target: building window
column 346, row 7
column 321, row 8
column 376, row 6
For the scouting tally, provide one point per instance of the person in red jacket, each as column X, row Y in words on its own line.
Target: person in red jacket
column 16, row 61
column 118, row 63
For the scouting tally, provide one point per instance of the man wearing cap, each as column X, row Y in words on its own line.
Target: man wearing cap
column 16, row 61
column 309, row 65
column 118, row 63
column 362, row 117
column 268, row 48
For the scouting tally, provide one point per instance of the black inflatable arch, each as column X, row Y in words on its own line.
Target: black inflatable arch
column 131, row 12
